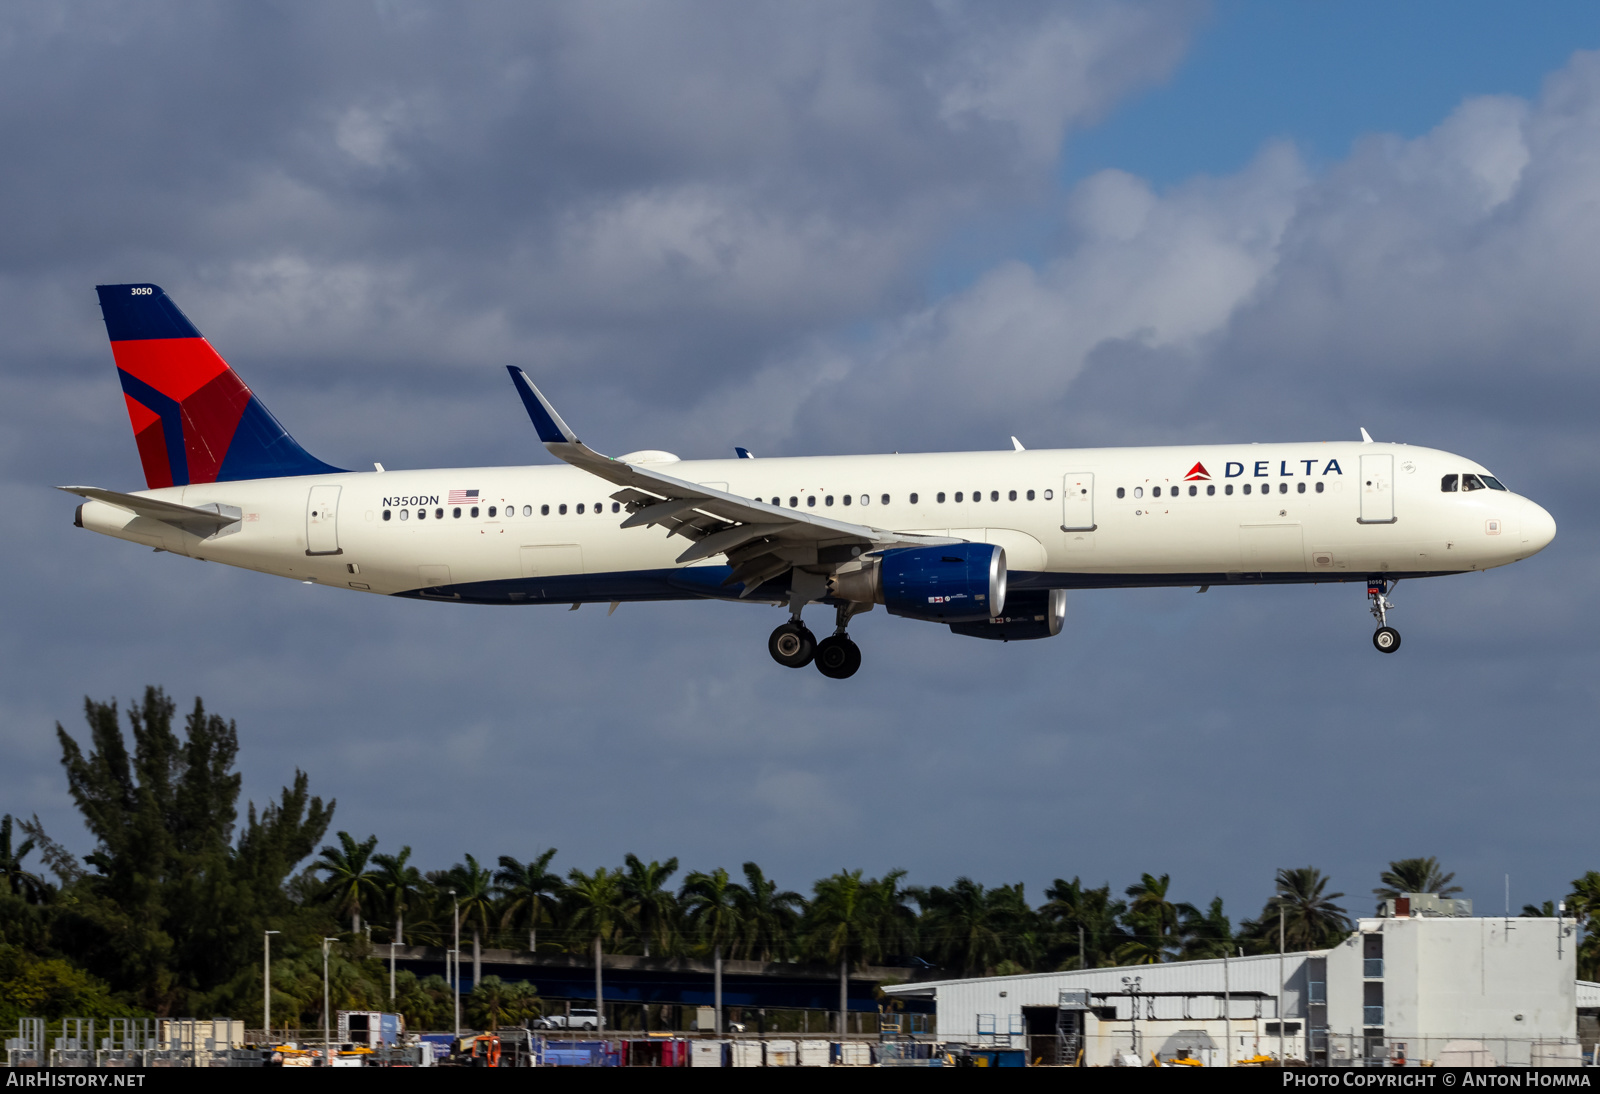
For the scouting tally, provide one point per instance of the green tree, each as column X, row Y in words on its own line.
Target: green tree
column 1415, row 875
column 651, row 907
column 17, row 880
column 494, row 1003
column 597, row 909
column 768, row 916
column 475, row 893
column 1208, row 933
column 397, row 883
column 1153, row 922
column 1072, row 908
column 711, row 906
column 174, row 910
column 971, row 930
column 348, row 879
column 1583, row 904
column 525, row 889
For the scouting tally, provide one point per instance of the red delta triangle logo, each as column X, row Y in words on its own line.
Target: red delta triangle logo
column 1197, row 472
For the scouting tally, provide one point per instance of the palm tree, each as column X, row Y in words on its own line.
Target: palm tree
column 525, row 885
column 651, row 907
column 1583, row 903
column 596, row 907
column 1155, row 921
column 348, row 881
column 1547, row 910
column 398, row 881
column 474, row 887
column 711, row 910
column 843, row 923
column 1208, row 933
column 1415, row 875
column 897, row 920
column 1311, row 918
column 1074, row 908
column 970, row 928
column 19, row 882
column 768, row 915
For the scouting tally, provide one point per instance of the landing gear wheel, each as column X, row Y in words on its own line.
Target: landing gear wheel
column 792, row 645
column 1387, row 639
column 837, row 657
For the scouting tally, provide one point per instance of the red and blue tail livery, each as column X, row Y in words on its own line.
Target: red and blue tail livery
column 194, row 420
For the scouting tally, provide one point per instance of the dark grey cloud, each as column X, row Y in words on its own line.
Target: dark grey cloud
column 708, row 225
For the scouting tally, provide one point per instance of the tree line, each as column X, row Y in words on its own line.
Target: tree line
column 165, row 916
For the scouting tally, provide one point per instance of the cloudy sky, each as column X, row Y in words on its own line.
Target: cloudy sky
column 831, row 228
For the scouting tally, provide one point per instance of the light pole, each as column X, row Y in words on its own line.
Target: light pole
column 327, row 1037
column 266, row 982
column 455, row 993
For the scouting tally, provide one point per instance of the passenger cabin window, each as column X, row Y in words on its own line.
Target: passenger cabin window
column 1121, row 493
column 1030, row 495
column 1012, row 496
column 846, row 499
column 1211, row 490
column 616, row 506
column 1471, row 482
column 1138, row 491
column 562, row 509
column 958, row 496
column 474, row 511
column 794, row 503
column 1319, row 487
column 386, row 514
column 1246, row 488
column 1448, row 483
column 828, row 500
column 580, row 509
column 994, row 495
column 527, row 510
column 1299, row 488
column 491, row 511
column 913, row 499
column 438, row 514
column 1283, row 488
column 1155, row 491
column 544, row 510
column 811, row 501
column 939, row 497
column 1048, row 494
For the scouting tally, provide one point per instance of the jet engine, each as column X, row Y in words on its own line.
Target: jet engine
column 958, row 583
column 1028, row 614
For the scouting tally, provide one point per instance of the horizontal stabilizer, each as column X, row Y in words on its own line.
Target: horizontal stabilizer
column 201, row 522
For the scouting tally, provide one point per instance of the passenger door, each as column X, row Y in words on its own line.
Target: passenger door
column 1077, row 511
column 1377, row 489
column 322, row 521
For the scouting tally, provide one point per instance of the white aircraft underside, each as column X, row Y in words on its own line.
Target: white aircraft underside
column 854, row 531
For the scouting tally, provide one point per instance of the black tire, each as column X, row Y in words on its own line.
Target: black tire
column 792, row 646
column 838, row 658
column 1386, row 639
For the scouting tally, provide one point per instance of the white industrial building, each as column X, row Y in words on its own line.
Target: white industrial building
column 1412, row 987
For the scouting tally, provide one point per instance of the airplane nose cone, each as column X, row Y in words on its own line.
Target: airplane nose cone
column 1538, row 527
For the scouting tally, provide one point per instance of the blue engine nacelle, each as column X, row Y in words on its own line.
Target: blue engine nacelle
column 1027, row 615
column 959, row 583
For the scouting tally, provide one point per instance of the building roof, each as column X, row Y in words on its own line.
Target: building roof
column 1204, row 976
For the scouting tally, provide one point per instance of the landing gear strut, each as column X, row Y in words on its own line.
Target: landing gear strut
column 1385, row 638
column 837, row 656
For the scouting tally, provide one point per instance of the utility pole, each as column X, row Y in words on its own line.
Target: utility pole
column 266, row 982
column 455, row 993
column 1283, row 990
column 327, row 1036
column 1227, row 1014
column 1131, row 985
column 599, row 992
column 716, row 983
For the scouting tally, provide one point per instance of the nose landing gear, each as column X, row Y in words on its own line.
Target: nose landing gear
column 1385, row 638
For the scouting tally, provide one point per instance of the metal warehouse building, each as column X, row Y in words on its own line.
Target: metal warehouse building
column 1411, row 988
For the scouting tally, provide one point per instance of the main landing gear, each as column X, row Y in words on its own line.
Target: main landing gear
column 794, row 646
column 1385, row 638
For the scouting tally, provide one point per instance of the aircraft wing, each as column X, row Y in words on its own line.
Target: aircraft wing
column 202, row 522
column 761, row 541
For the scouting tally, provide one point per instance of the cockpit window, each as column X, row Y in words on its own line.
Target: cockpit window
column 1471, row 482
column 1448, row 483
column 1492, row 483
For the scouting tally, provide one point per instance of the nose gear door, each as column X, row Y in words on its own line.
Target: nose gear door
column 322, row 521
column 1377, row 489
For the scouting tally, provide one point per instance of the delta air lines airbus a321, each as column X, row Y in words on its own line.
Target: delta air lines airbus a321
column 986, row 543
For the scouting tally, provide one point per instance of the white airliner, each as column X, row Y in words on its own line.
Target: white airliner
column 986, row 543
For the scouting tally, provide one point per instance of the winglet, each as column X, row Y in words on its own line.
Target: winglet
column 546, row 422
column 1366, row 438
column 1016, row 445
column 742, row 453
